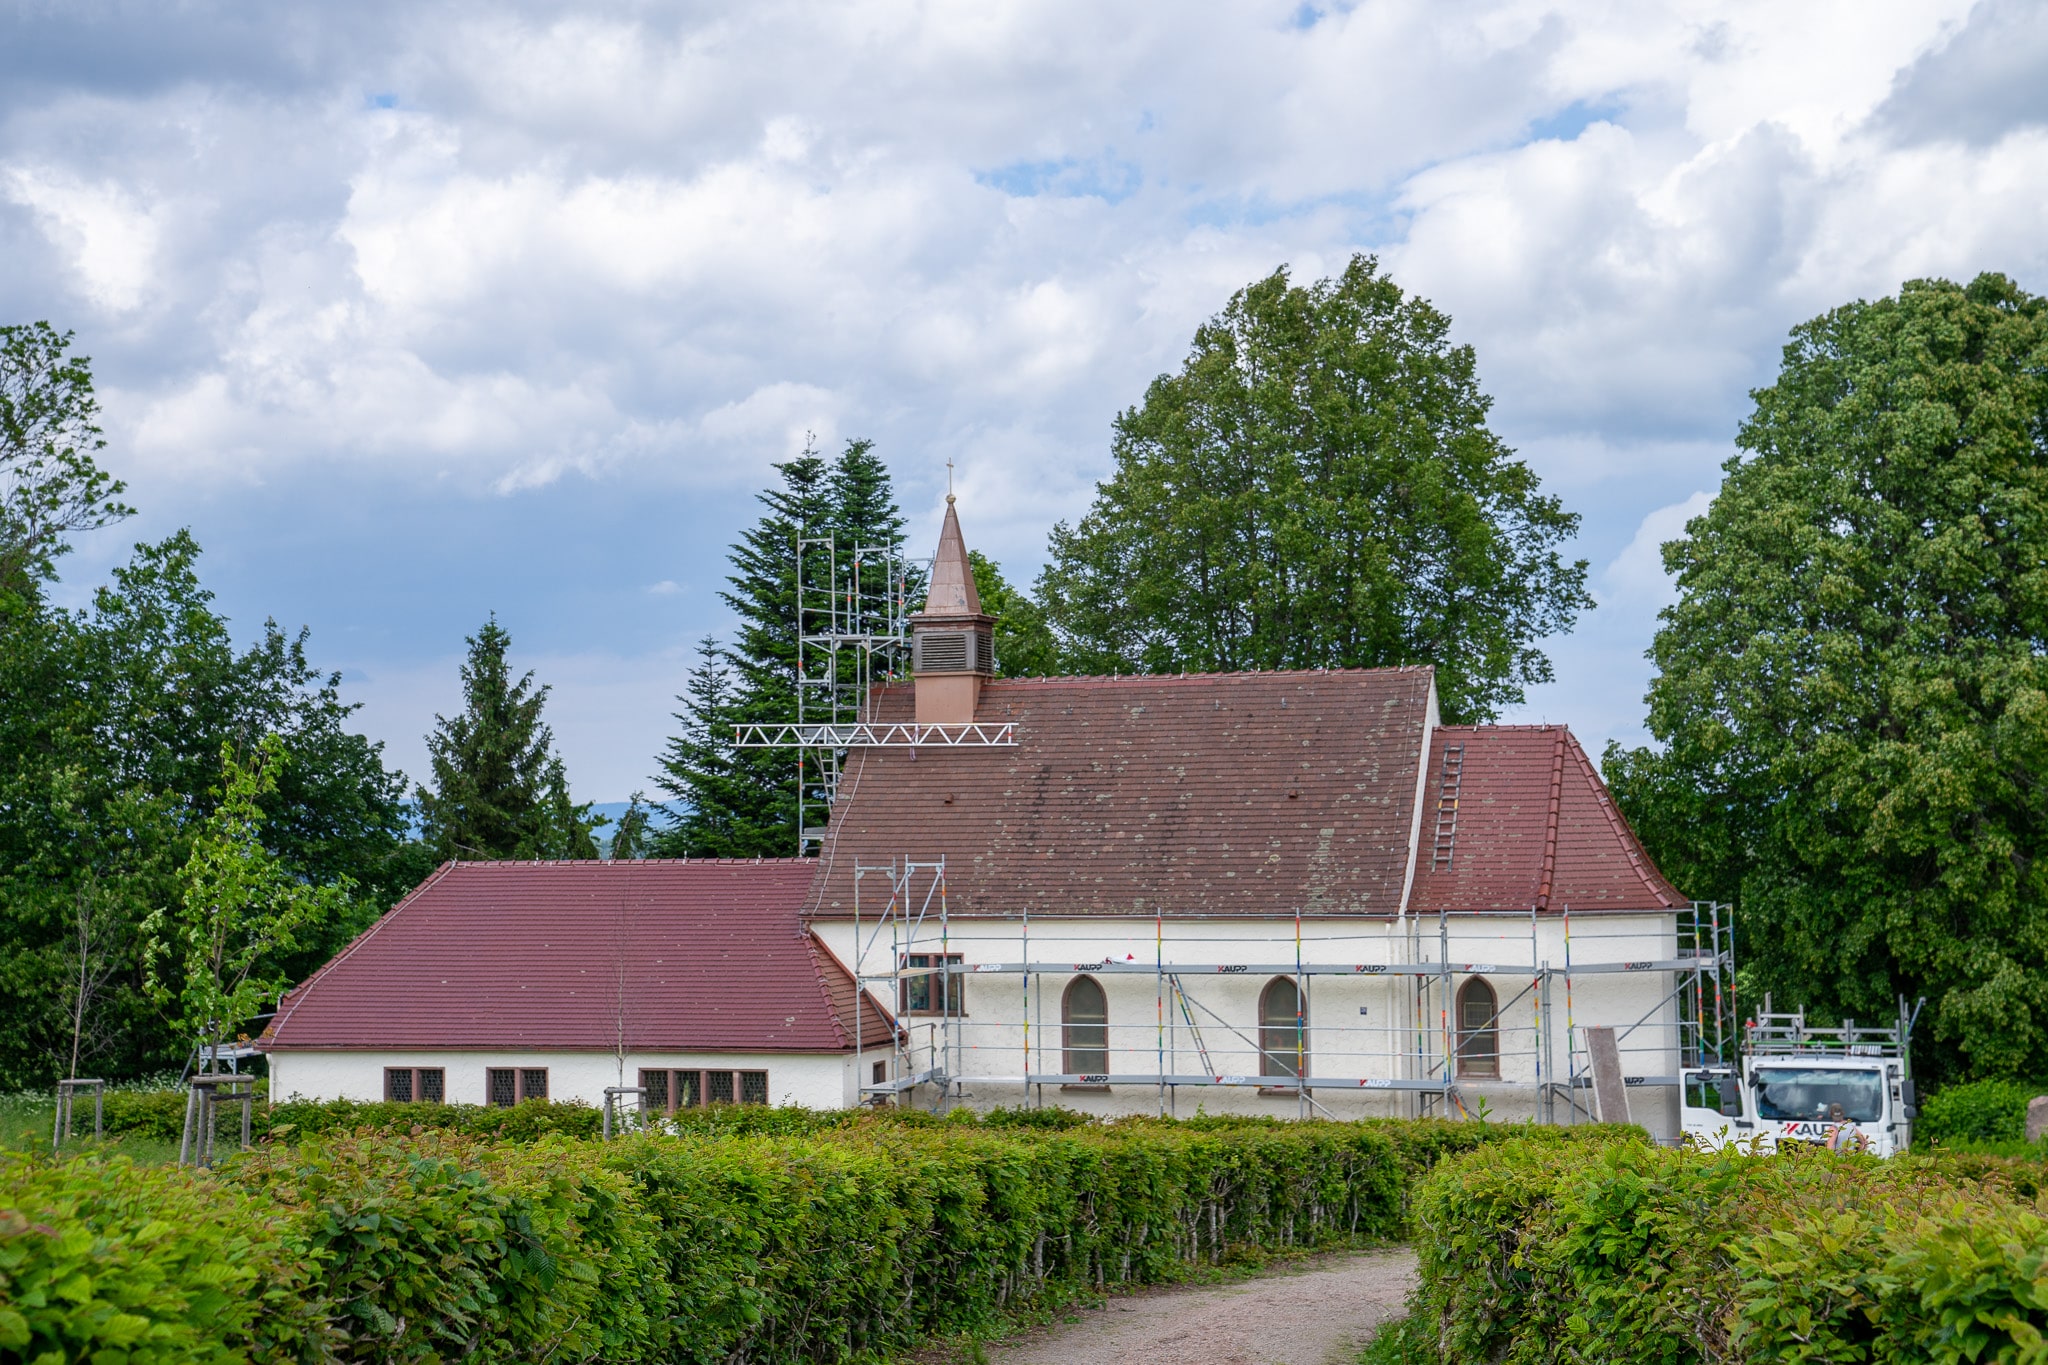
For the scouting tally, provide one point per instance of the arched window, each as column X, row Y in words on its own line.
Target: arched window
column 1283, row 1030
column 1478, row 1030
column 1084, row 1011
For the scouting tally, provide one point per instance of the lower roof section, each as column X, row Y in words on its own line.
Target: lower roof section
column 648, row 956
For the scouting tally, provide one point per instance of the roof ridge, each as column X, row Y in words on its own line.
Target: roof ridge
column 1132, row 679
column 1638, row 856
column 501, row 863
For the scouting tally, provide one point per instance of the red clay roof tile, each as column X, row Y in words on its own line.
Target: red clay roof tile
column 703, row 955
column 1215, row 794
column 1532, row 825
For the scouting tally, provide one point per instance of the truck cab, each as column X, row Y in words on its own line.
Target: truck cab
column 1847, row 1088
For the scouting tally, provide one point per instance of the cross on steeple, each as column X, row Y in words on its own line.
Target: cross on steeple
column 949, row 479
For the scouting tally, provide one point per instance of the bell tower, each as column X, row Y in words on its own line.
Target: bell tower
column 951, row 640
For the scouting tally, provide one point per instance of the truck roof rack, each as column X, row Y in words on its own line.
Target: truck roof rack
column 1788, row 1034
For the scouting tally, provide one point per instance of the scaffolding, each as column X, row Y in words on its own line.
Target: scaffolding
column 853, row 610
column 907, row 946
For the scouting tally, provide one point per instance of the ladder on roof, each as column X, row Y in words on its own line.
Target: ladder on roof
column 1448, row 786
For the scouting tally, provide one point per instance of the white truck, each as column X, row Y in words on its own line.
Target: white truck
column 1846, row 1088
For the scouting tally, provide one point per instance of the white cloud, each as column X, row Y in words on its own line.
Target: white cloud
column 108, row 238
column 639, row 252
column 1635, row 578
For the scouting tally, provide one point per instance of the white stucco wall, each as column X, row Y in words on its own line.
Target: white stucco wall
column 819, row 1081
column 1360, row 1026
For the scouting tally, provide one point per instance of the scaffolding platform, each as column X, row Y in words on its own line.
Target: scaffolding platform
column 908, row 947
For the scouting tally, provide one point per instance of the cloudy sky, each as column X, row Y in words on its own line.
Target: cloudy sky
column 418, row 311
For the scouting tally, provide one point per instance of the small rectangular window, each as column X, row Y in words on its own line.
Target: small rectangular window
column 398, row 1084
column 533, row 1083
column 501, row 1087
column 753, row 1087
column 932, row 992
column 881, row 1073
column 720, row 1086
column 432, row 1087
column 654, row 1092
column 689, row 1090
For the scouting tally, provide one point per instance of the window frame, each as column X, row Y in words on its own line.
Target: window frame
column 947, row 988
column 1072, row 1053
column 416, row 1084
column 1279, row 1063
column 1482, row 1065
column 690, row 1087
column 520, row 1091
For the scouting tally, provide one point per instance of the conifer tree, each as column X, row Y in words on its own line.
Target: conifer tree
column 732, row 802
column 499, row 789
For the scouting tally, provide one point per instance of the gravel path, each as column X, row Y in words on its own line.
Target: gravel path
column 1316, row 1315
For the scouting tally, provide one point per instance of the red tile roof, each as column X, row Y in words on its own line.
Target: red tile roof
column 1217, row 794
column 700, row 956
column 1532, row 825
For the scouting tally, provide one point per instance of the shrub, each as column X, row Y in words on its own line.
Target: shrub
column 444, row 1246
column 1528, row 1252
column 103, row 1260
column 1977, row 1111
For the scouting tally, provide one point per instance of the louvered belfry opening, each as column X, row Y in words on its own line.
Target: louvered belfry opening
column 952, row 641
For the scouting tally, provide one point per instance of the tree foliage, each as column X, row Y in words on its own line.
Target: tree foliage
column 1317, row 487
column 1024, row 642
column 500, row 790
column 218, row 952
column 731, row 802
column 1852, row 688
column 50, row 484
column 112, row 722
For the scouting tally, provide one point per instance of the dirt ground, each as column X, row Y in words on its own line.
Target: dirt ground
column 1315, row 1314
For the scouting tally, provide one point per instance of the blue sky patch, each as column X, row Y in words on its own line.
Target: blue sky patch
column 1103, row 177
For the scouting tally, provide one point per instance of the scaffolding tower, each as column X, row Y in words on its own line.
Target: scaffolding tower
column 853, row 610
column 906, row 947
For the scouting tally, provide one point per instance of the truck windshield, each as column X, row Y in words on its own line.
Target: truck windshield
column 1814, row 1092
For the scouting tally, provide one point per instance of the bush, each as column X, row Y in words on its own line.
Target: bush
column 1977, row 1111
column 757, row 1234
column 444, row 1246
column 1528, row 1252
column 296, row 1119
column 103, row 1260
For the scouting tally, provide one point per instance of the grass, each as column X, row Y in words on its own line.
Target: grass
column 27, row 1119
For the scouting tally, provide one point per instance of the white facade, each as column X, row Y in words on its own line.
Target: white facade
column 815, row 1080
column 1362, row 1025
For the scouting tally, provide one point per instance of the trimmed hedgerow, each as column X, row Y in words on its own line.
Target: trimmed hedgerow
column 1532, row 1253
column 104, row 1260
column 442, row 1246
column 755, row 1234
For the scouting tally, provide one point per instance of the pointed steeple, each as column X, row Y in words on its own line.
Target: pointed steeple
column 952, row 644
column 952, row 592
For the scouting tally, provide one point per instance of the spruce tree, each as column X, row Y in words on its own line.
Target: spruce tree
column 499, row 789
column 733, row 802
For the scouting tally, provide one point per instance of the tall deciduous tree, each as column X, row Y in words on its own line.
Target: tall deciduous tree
column 1317, row 487
column 50, row 484
column 111, row 726
column 499, row 788
column 1852, row 688
column 1024, row 643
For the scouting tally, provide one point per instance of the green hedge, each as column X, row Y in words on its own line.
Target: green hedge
column 758, row 1235
column 1977, row 1111
column 105, row 1261
column 1531, row 1253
